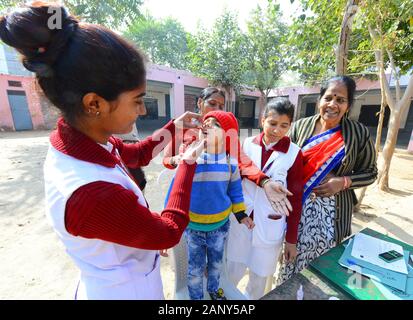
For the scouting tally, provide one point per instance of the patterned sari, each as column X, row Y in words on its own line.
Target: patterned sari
column 321, row 154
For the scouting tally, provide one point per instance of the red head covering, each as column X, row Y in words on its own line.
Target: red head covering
column 229, row 124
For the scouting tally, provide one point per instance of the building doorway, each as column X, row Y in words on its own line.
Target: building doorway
column 22, row 118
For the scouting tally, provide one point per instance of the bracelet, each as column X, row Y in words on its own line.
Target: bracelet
column 346, row 183
column 264, row 181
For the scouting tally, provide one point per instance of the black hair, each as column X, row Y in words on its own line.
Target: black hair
column 349, row 83
column 209, row 91
column 280, row 105
column 73, row 59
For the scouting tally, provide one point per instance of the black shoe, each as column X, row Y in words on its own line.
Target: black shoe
column 218, row 295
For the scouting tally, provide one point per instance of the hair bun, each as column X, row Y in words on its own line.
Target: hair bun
column 39, row 31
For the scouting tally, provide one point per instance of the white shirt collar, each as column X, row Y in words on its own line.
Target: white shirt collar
column 268, row 146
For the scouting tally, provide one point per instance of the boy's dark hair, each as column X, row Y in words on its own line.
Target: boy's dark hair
column 349, row 83
column 280, row 105
column 72, row 59
column 209, row 91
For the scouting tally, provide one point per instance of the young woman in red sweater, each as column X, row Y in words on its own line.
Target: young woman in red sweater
column 97, row 80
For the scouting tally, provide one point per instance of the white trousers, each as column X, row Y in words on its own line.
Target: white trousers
column 256, row 284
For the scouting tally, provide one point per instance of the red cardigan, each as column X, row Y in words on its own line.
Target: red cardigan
column 107, row 211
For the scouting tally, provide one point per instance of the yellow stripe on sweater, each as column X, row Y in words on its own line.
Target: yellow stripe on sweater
column 216, row 217
column 238, row 207
column 209, row 218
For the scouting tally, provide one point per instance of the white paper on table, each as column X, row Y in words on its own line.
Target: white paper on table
column 368, row 248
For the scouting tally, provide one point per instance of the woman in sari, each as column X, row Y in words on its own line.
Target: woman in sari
column 339, row 157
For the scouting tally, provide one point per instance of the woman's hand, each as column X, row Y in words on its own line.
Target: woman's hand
column 329, row 186
column 277, row 195
column 188, row 120
column 290, row 252
column 164, row 253
column 193, row 151
column 248, row 222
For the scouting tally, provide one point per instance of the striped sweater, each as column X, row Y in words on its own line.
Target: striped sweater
column 216, row 192
column 359, row 164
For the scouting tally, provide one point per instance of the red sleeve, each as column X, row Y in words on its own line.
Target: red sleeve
column 295, row 185
column 172, row 148
column 139, row 154
column 107, row 211
column 248, row 169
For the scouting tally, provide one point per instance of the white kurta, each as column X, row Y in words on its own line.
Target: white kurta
column 260, row 247
column 107, row 270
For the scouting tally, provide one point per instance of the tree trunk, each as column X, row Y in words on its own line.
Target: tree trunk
column 344, row 39
column 231, row 104
column 228, row 98
column 380, row 125
column 388, row 150
column 381, row 116
column 264, row 98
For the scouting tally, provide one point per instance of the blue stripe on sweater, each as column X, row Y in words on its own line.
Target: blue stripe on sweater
column 218, row 167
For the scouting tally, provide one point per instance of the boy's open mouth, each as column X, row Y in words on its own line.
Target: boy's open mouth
column 204, row 130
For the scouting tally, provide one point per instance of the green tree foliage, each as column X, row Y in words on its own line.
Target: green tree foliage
column 164, row 41
column 114, row 14
column 111, row 13
column 393, row 21
column 313, row 37
column 220, row 55
column 266, row 49
column 391, row 31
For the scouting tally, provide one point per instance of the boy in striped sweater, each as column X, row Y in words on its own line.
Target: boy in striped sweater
column 216, row 192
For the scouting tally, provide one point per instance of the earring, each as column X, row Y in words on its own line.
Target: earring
column 97, row 113
column 88, row 110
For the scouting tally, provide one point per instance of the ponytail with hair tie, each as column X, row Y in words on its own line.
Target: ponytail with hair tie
column 72, row 59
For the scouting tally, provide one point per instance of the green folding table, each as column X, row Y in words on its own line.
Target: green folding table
column 328, row 268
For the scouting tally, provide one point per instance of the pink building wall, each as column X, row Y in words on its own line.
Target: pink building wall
column 179, row 79
column 33, row 101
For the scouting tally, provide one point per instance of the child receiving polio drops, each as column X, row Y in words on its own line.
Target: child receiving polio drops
column 216, row 192
column 281, row 160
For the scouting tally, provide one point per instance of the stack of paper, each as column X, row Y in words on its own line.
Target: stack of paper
column 368, row 248
column 394, row 280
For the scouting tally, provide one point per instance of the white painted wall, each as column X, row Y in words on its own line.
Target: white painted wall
column 160, row 96
column 373, row 99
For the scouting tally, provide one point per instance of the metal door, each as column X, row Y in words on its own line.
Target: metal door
column 20, row 110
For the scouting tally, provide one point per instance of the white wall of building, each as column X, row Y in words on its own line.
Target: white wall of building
column 160, row 96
